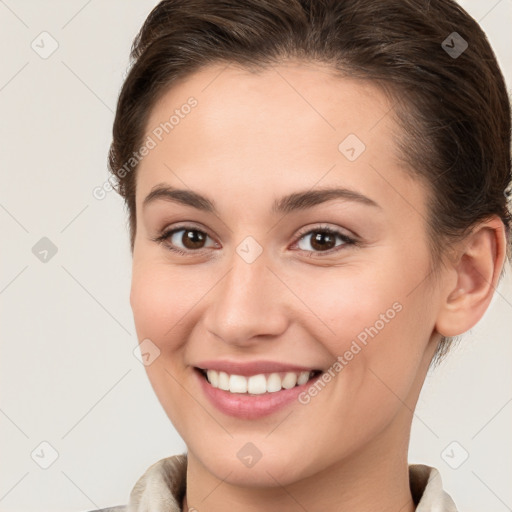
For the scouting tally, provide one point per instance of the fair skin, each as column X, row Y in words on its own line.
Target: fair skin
column 252, row 139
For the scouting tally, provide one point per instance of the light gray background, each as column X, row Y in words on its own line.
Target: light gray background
column 68, row 373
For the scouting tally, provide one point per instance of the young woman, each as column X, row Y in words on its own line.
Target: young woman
column 317, row 195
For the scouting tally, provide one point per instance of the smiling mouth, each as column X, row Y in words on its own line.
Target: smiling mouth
column 257, row 384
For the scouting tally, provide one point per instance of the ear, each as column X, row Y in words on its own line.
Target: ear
column 472, row 278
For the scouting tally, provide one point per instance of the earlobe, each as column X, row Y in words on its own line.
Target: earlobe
column 476, row 271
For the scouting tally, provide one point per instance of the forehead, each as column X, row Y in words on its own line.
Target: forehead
column 302, row 103
column 287, row 126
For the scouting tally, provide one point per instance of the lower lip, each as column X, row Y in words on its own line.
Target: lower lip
column 246, row 406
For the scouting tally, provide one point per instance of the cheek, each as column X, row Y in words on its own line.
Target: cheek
column 158, row 302
column 375, row 317
column 349, row 302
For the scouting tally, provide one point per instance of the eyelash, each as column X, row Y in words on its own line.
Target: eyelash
column 161, row 239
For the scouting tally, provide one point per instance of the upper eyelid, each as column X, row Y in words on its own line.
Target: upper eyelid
column 185, row 227
column 301, row 232
column 325, row 227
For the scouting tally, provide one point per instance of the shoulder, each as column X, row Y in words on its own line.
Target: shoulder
column 119, row 508
column 427, row 489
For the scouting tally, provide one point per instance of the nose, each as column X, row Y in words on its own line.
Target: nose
column 249, row 303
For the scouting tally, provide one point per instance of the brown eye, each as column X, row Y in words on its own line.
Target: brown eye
column 324, row 240
column 184, row 240
column 192, row 238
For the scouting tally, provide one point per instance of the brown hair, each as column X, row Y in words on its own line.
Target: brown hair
column 451, row 101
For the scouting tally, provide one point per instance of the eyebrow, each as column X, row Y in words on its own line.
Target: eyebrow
column 296, row 201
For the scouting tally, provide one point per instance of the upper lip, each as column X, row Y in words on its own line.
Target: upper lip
column 251, row 368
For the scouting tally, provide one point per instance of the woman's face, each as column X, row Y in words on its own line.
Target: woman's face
column 262, row 281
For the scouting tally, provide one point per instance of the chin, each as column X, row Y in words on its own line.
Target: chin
column 272, row 469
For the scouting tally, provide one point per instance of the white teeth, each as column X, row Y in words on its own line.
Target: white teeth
column 274, row 383
column 213, row 378
column 303, row 378
column 223, row 380
column 256, row 384
column 237, row 384
column 289, row 381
